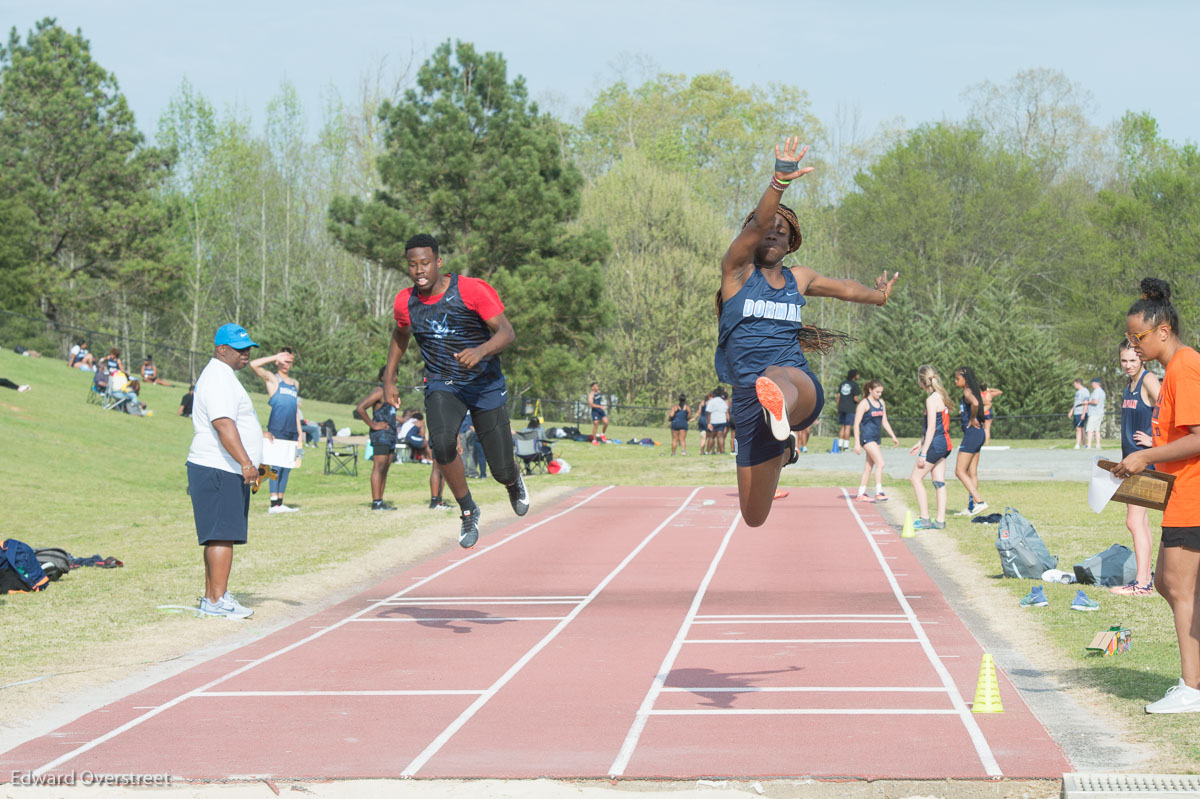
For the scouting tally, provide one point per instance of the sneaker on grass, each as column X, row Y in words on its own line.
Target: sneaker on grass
column 440, row 504
column 1036, row 598
column 379, row 504
column 922, row 524
column 980, row 508
column 1134, row 588
column 468, row 534
column 518, row 496
column 938, row 525
column 1180, row 698
column 1083, row 602
column 225, row 607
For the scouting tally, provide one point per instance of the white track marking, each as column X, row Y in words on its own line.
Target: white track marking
column 656, row 686
column 390, row 600
column 92, row 744
column 341, row 693
column 960, row 707
column 420, row 603
column 479, row 619
column 802, row 621
column 436, row 745
column 805, row 711
column 807, row 616
column 803, row 641
column 808, row 689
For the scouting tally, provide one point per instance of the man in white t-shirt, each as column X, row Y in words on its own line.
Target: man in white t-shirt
column 1095, row 413
column 222, row 465
column 718, row 421
column 1079, row 409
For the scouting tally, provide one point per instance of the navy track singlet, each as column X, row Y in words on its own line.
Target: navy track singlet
column 758, row 328
column 1135, row 416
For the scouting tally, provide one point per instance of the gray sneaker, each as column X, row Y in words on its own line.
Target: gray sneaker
column 518, row 496
column 469, row 532
column 226, row 607
column 938, row 525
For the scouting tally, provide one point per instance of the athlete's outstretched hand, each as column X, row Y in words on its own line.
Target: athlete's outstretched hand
column 790, row 156
column 469, row 358
column 883, row 284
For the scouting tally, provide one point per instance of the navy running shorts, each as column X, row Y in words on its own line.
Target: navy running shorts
column 872, row 440
column 846, row 419
column 477, row 397
column 972, row 440
column 936, row 453
column 679, row 427
column 599, row 414
column 755, row 442
column 1080, row 419
column 720, row 427
column 220, row 504
column 383, row 442
column 1181, row 537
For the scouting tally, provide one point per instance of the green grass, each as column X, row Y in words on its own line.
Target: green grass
column 94, row 481
column 1073, row 532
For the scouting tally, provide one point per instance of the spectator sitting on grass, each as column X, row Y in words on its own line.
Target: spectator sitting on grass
column 185, row 404
column 150, row 373
column 6, row 383
column 80, row 358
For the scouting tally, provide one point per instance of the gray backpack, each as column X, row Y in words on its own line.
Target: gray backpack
column 1114, row 566
column 1022, row 552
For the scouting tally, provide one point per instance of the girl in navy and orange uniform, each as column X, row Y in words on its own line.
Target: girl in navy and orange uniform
column 970, row 413
column 1152, row 327
column 1137, row 406
column 870, row 420
column 761, row 338
column 932, row 450
column 678, row 417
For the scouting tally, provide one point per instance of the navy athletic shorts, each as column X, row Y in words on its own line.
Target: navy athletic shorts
column 755, row 443
column 972, row 440
column 937, row 451
column 383, row 442
column 598, row 414
column 1080, row 419
column 477, row 397
column 220, row 504
column 846, row 419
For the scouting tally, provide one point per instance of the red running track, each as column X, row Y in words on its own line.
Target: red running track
column 629, row 632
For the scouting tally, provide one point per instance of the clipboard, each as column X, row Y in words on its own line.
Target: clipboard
column 1150, row 489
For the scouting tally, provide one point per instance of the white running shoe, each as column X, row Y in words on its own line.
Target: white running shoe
column 1180, row 698
column 281, row 509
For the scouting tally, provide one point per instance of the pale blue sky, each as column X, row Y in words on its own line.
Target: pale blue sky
column 909, row 59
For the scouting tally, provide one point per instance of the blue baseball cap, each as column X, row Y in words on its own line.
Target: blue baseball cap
column 234, row 336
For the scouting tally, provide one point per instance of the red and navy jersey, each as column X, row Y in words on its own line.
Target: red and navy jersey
column 941, row 433
column 448, row 323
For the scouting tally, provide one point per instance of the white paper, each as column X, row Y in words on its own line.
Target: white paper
column 279, row 453
column 1101, row 487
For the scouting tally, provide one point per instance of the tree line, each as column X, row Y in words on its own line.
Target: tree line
column 1020, row 231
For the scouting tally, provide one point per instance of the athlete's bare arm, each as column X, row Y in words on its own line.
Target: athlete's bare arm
column 813, row 284
column 739, row 258
column 396, row 349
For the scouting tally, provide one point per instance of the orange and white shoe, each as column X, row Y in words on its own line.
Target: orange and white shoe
column 863, row 498
column 770, row 396
column 780, row 493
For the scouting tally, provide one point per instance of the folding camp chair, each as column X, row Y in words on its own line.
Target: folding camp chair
column 531, row 451
column 341, row 459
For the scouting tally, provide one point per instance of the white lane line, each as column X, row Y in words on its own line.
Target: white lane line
column 802, row 641
column 802, row 621
column 847, row 711
column 340, row 693
column 960, row 706
column 113, row 733
column 480, row 619
column 479, row 598
column 813, row 689
column 805, row 616
column 426, row 603
column 466, row 715
column 656, row 685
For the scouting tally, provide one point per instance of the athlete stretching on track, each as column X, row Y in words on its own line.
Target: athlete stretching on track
column 460, row 326
column 761, row 340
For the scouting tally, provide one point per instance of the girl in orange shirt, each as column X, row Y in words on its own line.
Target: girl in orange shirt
column 1152, row 327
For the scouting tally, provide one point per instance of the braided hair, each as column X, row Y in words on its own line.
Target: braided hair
column 812, row 338
column 968, row 376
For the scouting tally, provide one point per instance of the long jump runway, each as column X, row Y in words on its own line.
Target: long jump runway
column 627, row 632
